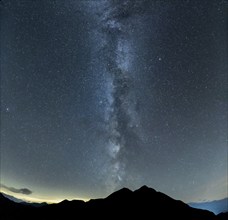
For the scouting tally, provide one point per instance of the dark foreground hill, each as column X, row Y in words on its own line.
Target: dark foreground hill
column 144, row 203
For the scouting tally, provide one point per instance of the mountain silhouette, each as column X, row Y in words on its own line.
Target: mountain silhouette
column 144, row 203
column 216, row 206
column 12, row 198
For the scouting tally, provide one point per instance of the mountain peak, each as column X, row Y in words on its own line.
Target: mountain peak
column 124, row 192
column 145, row 189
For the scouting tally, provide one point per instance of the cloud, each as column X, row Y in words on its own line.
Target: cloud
column 24, row 191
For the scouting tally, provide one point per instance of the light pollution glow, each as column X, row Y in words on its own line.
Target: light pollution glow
column 39, row 199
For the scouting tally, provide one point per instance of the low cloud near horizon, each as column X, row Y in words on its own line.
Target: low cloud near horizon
column 24, row 191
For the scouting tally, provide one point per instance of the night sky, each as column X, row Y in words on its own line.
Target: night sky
column 104, row 94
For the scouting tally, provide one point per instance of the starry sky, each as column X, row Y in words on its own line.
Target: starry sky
column 100, row 95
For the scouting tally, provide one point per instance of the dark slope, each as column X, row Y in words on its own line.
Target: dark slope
column 223, row 216
column 13, row 210
column 144, row 203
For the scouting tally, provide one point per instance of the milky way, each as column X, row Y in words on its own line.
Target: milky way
column 116, row 53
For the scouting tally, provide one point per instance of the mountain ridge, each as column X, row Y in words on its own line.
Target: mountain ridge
column 216, row 206
column 142, row 202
